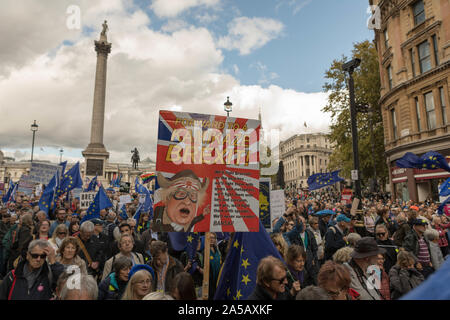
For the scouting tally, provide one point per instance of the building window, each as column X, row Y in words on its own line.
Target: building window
column 424, row 56
column 431, row 115
column 394, row 124
column 419, row 127
column 386, row 39
column 443, row 106
column 419, row 12
column 435, row 47
column 413, row 62
column 389, row 73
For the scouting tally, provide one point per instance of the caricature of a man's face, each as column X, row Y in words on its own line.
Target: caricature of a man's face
column 182, row 203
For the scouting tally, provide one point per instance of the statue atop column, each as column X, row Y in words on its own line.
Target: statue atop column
column 103, row 37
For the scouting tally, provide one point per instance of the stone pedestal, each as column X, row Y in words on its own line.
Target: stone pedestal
column 132, row 177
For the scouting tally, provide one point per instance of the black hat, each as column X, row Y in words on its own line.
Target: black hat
column 366, row 247
column 97, row 222
column 419, row 222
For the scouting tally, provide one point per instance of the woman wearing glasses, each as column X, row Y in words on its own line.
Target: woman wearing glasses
column 30, row 280
column 68, row 255
column 139, row 285
column 60, row 233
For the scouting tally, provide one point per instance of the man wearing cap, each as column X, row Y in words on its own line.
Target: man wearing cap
column 363, row 280
column 181, row 196
column 102, row 240
column 335, row 236
column 418, row 245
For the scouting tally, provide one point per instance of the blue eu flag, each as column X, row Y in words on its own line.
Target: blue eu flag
column 123, row 212
column 442, row 206
column 192, row 240
column 237, row 279
column 92, row 184
column 70, row 180
column 431, row 160
column 46, row 202
column 101, row 201
column 445, row 188
column 320, row 180
column 10, row 191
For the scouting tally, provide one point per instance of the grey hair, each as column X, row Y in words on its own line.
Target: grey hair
column 87, row 284
column 87, row 226
column 353, row 238
column 37, row 243
column 157, row 295
column 431, row 234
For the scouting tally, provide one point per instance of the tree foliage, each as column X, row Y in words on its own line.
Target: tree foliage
column 367, row 91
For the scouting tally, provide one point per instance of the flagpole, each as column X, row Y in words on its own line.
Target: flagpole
column 206, row 259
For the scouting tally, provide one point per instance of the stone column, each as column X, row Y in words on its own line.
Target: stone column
column 95, row 153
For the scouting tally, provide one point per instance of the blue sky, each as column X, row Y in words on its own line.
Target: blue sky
column 315, row 32
column 183, row 55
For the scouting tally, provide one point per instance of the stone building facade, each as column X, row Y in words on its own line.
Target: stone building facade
column 413, row 44
column 304, row 155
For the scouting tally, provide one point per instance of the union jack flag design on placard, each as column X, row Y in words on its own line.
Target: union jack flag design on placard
column 214, row 162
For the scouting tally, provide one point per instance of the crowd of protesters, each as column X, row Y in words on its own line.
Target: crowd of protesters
column 382, row 252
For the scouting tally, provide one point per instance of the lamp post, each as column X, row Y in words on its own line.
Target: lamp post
column 60, row 154
column 227, row 106
column 350, row 66
column 34, row 128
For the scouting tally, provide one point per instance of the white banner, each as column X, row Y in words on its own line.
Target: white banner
column 277, row 203
column 43, row 172
column 86, row 198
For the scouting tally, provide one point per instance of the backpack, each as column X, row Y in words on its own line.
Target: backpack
column 326, row 250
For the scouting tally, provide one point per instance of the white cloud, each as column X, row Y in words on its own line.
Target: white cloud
column 172, row 8
column 248, row 34
column 148, row 70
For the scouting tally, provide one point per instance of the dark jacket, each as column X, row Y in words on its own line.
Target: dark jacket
column 93, row 249
column 390, row 257
column 4, row 227
column 402, row 281
column 411, row 243
column 174, row 268
column 401, row 233
column 323, row 227
column 333, row 242
column 260, row 293
column 42, row 288
column 110, row 288
column 20, row 247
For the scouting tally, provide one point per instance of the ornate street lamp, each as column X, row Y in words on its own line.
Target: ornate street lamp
column 34, row 128
column 227, row 106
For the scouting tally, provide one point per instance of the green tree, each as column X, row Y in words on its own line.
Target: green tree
column 370, row 124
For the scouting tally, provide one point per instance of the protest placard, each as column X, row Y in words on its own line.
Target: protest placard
column 43, row 172
column 346, row 196
column 213, row 161
column 125, row 199
column 277, row 203
column 25, row 185
column 86, row 198
column 264, row 203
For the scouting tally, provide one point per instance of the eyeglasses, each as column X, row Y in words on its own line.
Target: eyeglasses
column 381, row 234
column 181, row 194
column 35, row 255
column 143, row 282
column 280, row 280
column 62, row 233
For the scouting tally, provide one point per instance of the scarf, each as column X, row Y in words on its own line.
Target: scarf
column 31, row 275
